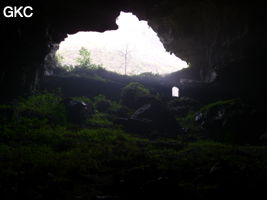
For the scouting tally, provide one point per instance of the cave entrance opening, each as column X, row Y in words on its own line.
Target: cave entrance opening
column 134, row 48
column 175, row 92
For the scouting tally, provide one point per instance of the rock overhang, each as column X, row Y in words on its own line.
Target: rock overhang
column 210, row 35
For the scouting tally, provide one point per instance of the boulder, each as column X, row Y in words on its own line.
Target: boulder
column 77, row 111
column 158, row 118
column 180, row 107
column 231, row 121
column 151, row 120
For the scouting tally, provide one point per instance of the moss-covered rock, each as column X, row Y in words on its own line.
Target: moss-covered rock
column 180, row 107
column 230, row 121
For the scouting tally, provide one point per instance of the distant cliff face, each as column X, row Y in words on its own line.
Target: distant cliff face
column 225, row 36
column 136, row 56
column 133, row 47
column 114, row 60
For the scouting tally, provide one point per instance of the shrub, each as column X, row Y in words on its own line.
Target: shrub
column 102, row 104
column 131, row 93
column 99, row 120
column 42, row 106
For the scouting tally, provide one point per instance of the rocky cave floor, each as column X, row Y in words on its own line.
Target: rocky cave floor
column 125, row 140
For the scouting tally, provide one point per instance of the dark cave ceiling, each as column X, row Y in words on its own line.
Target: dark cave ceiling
column 212, row 35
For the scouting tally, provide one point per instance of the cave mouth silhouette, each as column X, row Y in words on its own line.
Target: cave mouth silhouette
column 134, row 48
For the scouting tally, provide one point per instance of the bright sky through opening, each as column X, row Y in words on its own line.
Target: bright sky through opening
column 134, row 38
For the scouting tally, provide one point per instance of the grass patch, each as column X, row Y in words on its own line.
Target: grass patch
column 43, row 106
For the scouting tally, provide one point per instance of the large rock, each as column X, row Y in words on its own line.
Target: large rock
column 77, row 111
column 180, row 107
column 159, row 117
column 231, row 121
column 151, row 120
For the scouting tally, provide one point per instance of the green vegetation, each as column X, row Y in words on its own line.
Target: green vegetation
column 103, row 104
column 83, row 67
column 42, row 106
column 131, row 94
column 59, row 59
column 229, row 102
column 84, row 59
column 84, row 99
column 228, row 121
column 44, row 156
column 100, row 120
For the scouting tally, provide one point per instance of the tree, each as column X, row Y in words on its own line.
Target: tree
column 126, row 53
column 59, row 59
column 84, row 60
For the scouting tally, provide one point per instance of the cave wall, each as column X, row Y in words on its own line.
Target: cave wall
column 212, row 35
